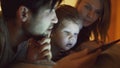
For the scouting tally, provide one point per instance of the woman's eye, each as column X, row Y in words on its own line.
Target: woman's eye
column 87, row 7
column 98, row 13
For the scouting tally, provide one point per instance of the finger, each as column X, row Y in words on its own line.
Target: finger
column 43, row 53
column 32, row 43
column 45, row 46
column 45, row 40
column 46, row 54
column 42, row 47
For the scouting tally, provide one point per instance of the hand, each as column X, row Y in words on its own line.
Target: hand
column 38, row 50
column 90, row 45
column 78, row 60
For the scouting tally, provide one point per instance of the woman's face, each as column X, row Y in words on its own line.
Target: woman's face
column 89, row 10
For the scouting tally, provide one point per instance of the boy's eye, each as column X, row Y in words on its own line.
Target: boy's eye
column 75, row 34
column 66, row 32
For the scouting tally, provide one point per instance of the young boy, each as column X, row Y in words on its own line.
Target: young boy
column 65, row 32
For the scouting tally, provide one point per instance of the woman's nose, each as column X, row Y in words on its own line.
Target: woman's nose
column 91, row 15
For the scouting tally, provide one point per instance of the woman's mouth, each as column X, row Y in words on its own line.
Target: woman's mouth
column 86, row 23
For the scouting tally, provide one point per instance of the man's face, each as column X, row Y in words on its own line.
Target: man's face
column 42, row 23
column 66, row 34
column 90, row 11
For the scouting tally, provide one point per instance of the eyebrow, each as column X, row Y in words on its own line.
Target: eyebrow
column 88, row 4
column 91, row 6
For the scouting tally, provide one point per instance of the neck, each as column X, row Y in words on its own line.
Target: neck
column 55, row 50
column 16, row 35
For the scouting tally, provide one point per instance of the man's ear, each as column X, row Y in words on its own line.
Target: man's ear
column 23, row 13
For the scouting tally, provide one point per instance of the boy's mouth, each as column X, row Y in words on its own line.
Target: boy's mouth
column 69, row 45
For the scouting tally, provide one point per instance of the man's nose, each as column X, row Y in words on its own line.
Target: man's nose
column 55, row 19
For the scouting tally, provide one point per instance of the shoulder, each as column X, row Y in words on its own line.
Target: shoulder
column 2, row 40
column 110, row 58
column 2, row 31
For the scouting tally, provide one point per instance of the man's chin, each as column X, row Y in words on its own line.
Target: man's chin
column 47, row 34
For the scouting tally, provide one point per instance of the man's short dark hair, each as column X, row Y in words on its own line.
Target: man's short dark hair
column 9, row 7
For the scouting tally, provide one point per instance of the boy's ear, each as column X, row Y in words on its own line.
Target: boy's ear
column 23, row 13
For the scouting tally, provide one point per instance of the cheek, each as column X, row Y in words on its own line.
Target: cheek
column 44, row 24
column 96, row 18
column 74, row 42
column 63, row 39
column 82, row 12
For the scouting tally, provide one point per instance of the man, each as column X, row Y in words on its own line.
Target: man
column 26, row 20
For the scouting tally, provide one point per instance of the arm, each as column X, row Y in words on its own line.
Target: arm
column 90, row 45
column 78, row 60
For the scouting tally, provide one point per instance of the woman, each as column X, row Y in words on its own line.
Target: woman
column 96, row 16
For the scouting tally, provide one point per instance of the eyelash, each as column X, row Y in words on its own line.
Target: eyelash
column 89, row 8
column 66, row 32
column 76, row 34
column 98, row 13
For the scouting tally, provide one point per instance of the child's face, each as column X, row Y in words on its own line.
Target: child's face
column 66, row 35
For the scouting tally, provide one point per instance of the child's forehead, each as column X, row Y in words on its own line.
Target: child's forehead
column 66, row 23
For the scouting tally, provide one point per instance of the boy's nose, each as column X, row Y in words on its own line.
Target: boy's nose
column 71, row 37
